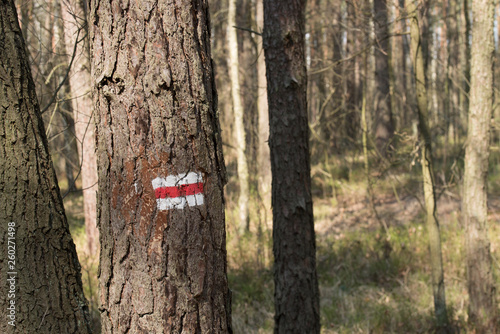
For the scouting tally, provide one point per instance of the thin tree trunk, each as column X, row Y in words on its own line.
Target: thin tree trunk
column 364, row 139
column 264, row 159
column 69, row 149
column 432, row 69
column 239, row 128
column 65, row 106
column 384, row 125
column 393, row 55
column 316, row 83
column 45, row 287
column 409, row 75
column 296, row 285
column 481, row 283
column 465, row 54
column 454, row 76
column 351, row 75
column 161, row 171
column 74, row 13
column 370, row 68
column 264, row 155
column 427, row 170
column 446, row 48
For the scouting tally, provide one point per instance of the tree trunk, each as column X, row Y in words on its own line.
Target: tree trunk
column 264, row 159
column 349, row 124
column 427, row 170
column 334, row 50
column 393, row 55
column 296, row 286
column 161, row 170
column 316, row 83
column 264, row 155
column 432, row 69
column 369, row 83
column 45, row 286
column 65, row 106
column 453, row 76
column 446, row 49
column 410, row 96
column 465, row 53
column 384, row 126
column 239, row 128
column 74, row 13
column 481, row 284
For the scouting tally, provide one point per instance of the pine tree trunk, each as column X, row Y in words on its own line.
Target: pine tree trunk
column 452, row 90
column 294, row 247
column 465, row 53
column 384, row 125
column 161, row 170
column 352, row 83
column 446, row 48
column 239, row 128
column 74, row 13
column 427, row 170
column 45, row 270
column 369, row 83
column 264, row 159
column 393, row 55
column 481, row 284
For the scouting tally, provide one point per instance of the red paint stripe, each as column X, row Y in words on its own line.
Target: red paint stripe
column 179, row 191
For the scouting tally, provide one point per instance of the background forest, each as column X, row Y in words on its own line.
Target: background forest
column 373, row 261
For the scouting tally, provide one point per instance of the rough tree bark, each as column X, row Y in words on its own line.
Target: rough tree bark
column 161, row 170
column 481, row 283
column 74, row 13
column 296, row 286
column 48, row 289
column 427, row 169
column 239, row 128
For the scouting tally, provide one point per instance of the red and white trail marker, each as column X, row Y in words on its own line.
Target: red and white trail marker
column 175, row 192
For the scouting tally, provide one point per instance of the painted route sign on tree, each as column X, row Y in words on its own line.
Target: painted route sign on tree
column 175, row 192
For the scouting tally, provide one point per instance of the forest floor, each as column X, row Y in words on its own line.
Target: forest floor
column 373, row 273
column 372, row 279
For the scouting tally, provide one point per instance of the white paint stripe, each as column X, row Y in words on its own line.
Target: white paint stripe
column 157, row 183
column 171, row 181
column 194, row 200
column 189, row 178
column 171, row 203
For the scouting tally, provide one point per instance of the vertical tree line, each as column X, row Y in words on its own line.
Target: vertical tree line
column 163, row 259
column 427, row 161
column 296, row 293
column 481, row 283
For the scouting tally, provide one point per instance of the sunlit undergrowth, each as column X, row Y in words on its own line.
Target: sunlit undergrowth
column 372, row 280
